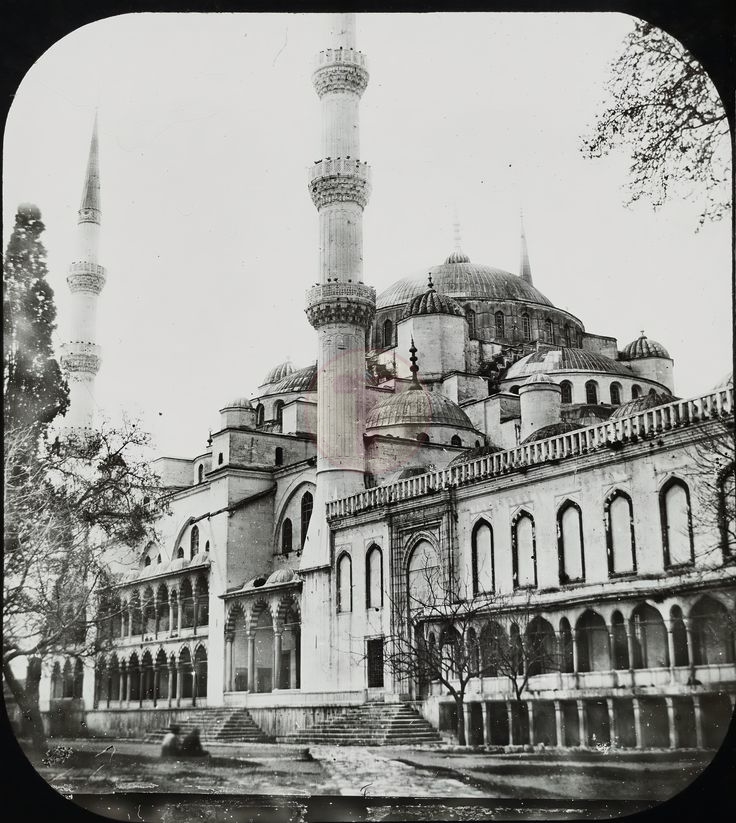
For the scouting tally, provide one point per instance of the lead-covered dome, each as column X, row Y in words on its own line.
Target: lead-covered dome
column 279, row 372
column 282, row 575
column 238, row 403
column 643, row 347
column 432, row 302
column 417, row 407
column 460, row 279
column 564, row 359
column 474, row 454
column 562, row 427
column 300, row 380
column 642, row 403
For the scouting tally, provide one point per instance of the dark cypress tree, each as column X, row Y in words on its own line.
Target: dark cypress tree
column 34, row 387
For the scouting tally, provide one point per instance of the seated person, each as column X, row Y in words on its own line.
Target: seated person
column 191, row 746
column 171, row 744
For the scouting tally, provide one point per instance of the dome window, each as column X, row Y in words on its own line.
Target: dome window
column 456, row 441
column 514, row 390
column 200, row 473
column 388, row 333
column 470, row 317
column 635, row 391
column 526, row 327
column 500, row 324
column 566, row 388
column 423, row 437
column 568, row 336
column 616, row 394
column 591, row 392
column 549, row 330
column 278, row 409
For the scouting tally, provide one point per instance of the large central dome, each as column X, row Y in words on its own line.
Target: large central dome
column 464, row 280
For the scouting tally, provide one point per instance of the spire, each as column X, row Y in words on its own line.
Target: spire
column 89, row 211
column 430, row 284
column 525, row 270
column 413, row 368
column 458, row 255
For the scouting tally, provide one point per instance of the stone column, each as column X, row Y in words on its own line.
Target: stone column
column 156, row 684
column 155, row 620
column 671, row 650
column 637, row 722
column 179, row 683
column 251, row 661
column 559, row 724
column 582, row 725
column 178, row 612
column 130, row 621
column 121, row 686
column 195, row 684
column 672, row 719
column 277, row 658
column 530, row 712
column 195, row 609
column 486, row 723
column 510, row 715
column 612, row 721
column 141, row 683
column 698, row 721
column 129, row 678
column 228, row 663
column 690, row 648
column 171, row 685
column 467, row 722
column 575, row 654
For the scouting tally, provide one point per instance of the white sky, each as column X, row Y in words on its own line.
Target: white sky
column 208, row 123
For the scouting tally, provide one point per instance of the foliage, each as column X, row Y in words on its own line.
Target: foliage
column 35, row 391
column 664, row 108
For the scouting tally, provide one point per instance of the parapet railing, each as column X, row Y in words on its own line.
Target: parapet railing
column 583, row 441
column 85, row 267
column 341, row 55
column 340, row 167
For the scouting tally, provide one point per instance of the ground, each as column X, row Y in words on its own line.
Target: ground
column 424, row 782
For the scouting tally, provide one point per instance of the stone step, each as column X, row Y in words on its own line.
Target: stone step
column 215, row 724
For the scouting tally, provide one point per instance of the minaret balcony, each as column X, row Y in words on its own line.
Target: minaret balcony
column 86, row 276
column 339, row 180
column 330, row 57
column 341, row 302
column 340, row 70
column 79, row 356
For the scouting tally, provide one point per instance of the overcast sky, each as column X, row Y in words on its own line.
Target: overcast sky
column 207, row 125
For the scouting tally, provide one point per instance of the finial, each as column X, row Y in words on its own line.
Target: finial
column 209, row 439
column 525, row 269
column 413, row 368
column 642, row 333
column 430, row 284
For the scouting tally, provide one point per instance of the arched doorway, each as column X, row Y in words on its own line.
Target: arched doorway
column 592, row 643
column 263, row 649
column 290, row 674
column 649, row 638
column 199, row 686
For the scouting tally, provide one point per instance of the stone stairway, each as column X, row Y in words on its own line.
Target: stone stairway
column 372, row 724
column 217, row 725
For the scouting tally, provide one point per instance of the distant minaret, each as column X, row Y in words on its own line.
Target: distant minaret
column 340, row 307
column 81, row 355
column 525, row 270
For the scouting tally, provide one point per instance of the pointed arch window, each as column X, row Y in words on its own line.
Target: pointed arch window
column 470, row 317
column 423, row 576
column 566, row 391
column 344, row 583
column 286, row 536
column 374, row 578
column 388, row 333
column 620, row 538
column 526, row 327
column 524, row 551
column 200, row 473
column 278, row 413
column 260, row 414
column 615, row 394
column 180, row 553
column 570, row 549
column 482, row 557
column 500, row 324
column 568, row 335
column 194, row 541
column 455, row 440
column 549, row 330
column 677, row 526
column 307, row 504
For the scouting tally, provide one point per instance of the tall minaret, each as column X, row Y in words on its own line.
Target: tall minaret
column 525, row 269
column 81, row 355
column 340, row 306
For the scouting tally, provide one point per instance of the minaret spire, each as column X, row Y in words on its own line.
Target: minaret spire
column 525, row 269
column 80, row 356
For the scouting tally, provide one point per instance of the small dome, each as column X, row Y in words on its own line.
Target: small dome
column 552, row 430
column 281, row 576
column 296, row 381
column 457, row 257
column 279, row 372
column 643, row 347
column 640, row 404
column 551, row 360
column 238, row 403
column 539, row 378
column 412, row 471
column 431, row 302
column 417, row 407
column 474, row 454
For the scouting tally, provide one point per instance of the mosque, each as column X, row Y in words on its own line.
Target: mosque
column 457, row 431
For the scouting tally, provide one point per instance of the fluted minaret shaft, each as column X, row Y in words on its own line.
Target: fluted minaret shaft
column 340, row 307
column 525, row 269
column 86, row 278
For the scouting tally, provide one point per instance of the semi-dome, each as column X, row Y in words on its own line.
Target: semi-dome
column 643, row 347
column 640, row 404
column 474, row 454
column 279, row 372
column 238, row 403
column 432, row 302
column 552, row 430
column 549, row 360
column 458, row 278
column 417, row 407
column 281, row 576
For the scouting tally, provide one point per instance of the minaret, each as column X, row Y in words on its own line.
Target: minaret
column 340, row 307
column 81, row 355
column 525, row 270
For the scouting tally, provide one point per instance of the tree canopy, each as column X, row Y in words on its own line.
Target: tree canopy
column 663, row 108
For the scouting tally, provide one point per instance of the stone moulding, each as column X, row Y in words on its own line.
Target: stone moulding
column 341, row 303
column 340, row 70
column 339, row 180
column 85, row 276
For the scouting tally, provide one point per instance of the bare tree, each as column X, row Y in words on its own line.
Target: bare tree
column 69, row 508
column 664, row 108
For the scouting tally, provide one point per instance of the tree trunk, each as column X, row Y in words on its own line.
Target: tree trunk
column 460, row 721
column 27, row 700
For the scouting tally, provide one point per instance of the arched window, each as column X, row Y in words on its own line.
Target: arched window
column 526, row 327
column 635, row 391
column 514, row 390
column 260, row 414
column 591, row 392
column 652, row 392
column 482, row 557
column 523, row 548
column 677, row 527
column 455, row 441
column 180, row 553
column 194, row 541
column 220, row 459
column 568, row 335
column 549, row 330
column 147, row 561
column 200, row 473
column 279, row 459
column 649, row 637
column 726, row 509
column 620, row 541
column 570, row 542
column 374, row 578
column 619, row 645
column 470, row 317
column 500, row 324
column 306, row 510
column 286, row 536
column 388, row 333
column 423, row 437
column 207, row 546
column 344, row 583
column 615, row 394
column 423, row 575
column 566, row 389
column 278, row 412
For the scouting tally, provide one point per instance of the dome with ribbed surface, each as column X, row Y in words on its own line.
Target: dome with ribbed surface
column 550, row 360
column 279, row 372
column 462, row 280
column 539, row 378
column 281, row 576
column 417, row 407
column 474, row 454
column 640, row 404
column 300, row 380
column 643, row 347
column 432, row 302
column 552, row 430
